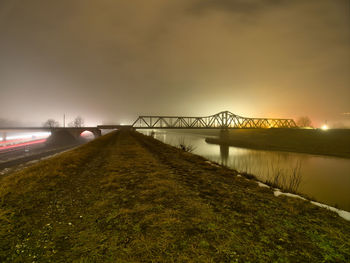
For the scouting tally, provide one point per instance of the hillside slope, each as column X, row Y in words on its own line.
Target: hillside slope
column 126, row 197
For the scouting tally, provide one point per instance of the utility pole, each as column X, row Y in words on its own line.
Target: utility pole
column 64, row 120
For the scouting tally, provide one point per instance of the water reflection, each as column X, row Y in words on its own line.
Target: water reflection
column 224, row 153
column 324, row 178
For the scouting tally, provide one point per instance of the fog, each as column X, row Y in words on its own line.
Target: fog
column 110, row 61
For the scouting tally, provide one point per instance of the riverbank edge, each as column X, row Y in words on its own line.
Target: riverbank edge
column 248, row 145
column 277, row 191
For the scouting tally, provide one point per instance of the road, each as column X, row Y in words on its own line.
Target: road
column 20, row 153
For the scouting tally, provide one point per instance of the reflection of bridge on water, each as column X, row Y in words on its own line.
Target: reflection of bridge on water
column 223, row 120
column 224, row 153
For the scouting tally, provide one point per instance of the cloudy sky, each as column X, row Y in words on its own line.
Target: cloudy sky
column 112, row 60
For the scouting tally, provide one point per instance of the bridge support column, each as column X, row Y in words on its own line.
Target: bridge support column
column 224, row 134
column 224, row 153
column 224, row 148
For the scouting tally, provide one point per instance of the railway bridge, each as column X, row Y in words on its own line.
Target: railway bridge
column 221, row 120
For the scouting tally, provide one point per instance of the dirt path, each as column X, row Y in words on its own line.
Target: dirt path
column 129, row 198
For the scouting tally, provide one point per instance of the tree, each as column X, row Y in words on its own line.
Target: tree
column 78, row 122
column 51, row 123
column 304, row 122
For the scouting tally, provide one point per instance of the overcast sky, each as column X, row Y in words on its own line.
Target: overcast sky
column 110, row 61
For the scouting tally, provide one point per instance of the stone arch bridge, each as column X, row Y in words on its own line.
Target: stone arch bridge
column 74, row 131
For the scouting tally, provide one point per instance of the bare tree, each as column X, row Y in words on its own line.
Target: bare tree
column 78, row 122
column 184, row 146
column 304, row 122
column 51, row 123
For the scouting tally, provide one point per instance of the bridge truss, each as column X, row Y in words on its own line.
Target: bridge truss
column 222, row 120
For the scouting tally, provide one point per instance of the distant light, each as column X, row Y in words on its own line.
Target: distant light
column 86, row 134
column 324, row 127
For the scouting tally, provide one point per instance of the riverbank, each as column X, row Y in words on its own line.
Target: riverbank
column 334, row 142
column 127, row 197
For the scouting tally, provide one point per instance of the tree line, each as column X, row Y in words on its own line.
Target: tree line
column 77, row 122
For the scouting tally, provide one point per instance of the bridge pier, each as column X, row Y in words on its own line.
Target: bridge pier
column 224, row 134
column 224, row 148
column 224, row 153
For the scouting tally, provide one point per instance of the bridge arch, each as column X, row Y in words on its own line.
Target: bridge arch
column 77, row 131
column 90, row 133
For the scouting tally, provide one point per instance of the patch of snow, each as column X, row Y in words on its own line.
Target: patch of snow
column 263, row 185
column 31, row 162
column 278, row 193
column 341, row 213
column 212, row 164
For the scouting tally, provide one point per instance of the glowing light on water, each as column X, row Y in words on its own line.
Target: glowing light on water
column 324, row 127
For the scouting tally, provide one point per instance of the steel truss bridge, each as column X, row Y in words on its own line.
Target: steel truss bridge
column 221, row 120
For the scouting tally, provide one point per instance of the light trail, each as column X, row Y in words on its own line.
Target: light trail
column 21, row 144
column 11, row 141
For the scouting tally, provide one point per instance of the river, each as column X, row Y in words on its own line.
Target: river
column 325, row 179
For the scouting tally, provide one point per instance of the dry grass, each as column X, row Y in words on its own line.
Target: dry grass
column 129, row 198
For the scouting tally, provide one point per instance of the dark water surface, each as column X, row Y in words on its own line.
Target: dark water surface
column 326, row 179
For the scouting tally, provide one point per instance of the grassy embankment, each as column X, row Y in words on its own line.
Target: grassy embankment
column 335, row 142
column 129, row 198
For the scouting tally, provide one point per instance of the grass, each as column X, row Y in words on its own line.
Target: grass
column 185, row 146
column 126, row 197
column 335, row 142
column 271, row 172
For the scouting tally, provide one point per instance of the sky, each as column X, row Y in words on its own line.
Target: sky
column 112, row 60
